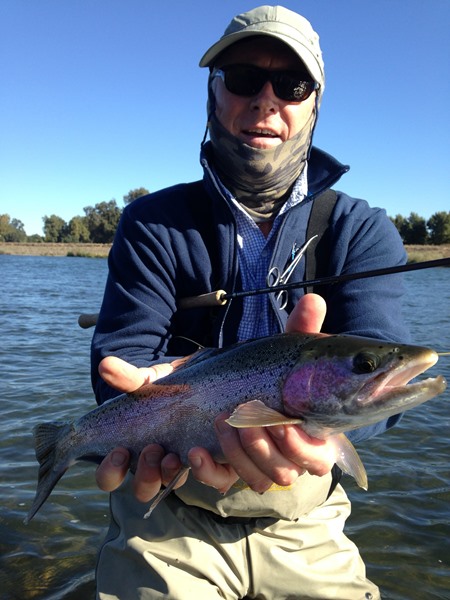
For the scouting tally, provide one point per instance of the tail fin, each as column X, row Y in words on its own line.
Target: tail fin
column 47, row 438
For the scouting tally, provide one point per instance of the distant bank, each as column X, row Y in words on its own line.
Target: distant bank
column 415, row 253
column 44, row 249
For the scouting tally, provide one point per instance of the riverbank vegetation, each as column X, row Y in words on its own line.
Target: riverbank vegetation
column 416, row 253
column 99, row 223
column 55, row 249
column 97, row 226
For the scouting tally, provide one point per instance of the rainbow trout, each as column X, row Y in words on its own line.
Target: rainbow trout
column 327, row 384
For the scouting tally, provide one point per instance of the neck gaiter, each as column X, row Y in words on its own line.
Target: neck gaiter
column 260, row 179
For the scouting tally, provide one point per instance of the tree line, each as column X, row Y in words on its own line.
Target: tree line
column 97, row 226
column 417, row 230
column 99, row 223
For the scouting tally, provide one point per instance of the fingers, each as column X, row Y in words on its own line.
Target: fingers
column 153, row 470
column 257, row 458
column 147, row 479
column 246, row 450
column 126, row 377
column 263, row 456
column 308, row 314
column 313, row 455
column 112, row 470
column 270, row 458
column 207, row 471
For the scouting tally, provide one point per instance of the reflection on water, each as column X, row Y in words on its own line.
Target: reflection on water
column 401, row 524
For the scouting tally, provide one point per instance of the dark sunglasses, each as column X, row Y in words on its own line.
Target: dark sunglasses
column 247, row 80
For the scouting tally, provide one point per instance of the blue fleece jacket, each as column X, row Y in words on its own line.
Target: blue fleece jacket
column 181, row 241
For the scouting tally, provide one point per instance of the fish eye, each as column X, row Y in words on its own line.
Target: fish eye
column 365, row 362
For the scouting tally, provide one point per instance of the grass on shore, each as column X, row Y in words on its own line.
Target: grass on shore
column 50, row 249
column 421, row 253
column 415, row 253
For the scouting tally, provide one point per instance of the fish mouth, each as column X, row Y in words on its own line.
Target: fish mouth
column 394, row 387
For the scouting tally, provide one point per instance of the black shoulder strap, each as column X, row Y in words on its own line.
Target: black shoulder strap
column 318, row 252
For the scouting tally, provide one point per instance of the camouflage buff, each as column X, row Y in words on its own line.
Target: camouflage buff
column 260, row 179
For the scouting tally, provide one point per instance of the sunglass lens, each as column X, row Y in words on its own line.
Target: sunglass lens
column 244, row 81
column 292, row 89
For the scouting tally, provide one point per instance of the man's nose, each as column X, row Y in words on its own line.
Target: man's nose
column 266, row 99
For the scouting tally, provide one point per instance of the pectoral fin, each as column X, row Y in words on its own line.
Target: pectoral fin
column 256, row 414
column 349, row 461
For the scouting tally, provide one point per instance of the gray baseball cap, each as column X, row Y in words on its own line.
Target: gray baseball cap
column 280, row 23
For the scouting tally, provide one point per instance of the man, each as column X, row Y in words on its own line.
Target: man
column 215, row 536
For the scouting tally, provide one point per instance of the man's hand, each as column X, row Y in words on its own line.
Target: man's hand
column 154, row 469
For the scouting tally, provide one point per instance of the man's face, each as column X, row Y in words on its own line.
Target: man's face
column 263, row 120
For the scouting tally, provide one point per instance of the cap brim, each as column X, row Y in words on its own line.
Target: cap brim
column 300, row 50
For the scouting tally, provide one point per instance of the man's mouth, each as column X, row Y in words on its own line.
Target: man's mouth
column 257, row 132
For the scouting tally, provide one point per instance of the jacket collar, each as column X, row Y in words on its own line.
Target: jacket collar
column 323, row 171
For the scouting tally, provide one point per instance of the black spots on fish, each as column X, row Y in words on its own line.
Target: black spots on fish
column 365, row 362
column 395, row 351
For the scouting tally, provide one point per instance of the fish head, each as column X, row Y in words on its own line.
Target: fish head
column 344, row 382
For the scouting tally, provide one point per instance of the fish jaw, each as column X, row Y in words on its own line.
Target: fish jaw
column 397, row 376
column 329, row 389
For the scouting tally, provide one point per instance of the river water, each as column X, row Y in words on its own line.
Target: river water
column 401, row 525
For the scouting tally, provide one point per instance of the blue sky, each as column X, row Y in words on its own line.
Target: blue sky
column 99, row 97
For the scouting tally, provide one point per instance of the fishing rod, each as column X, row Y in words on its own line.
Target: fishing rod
column 221, row 297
